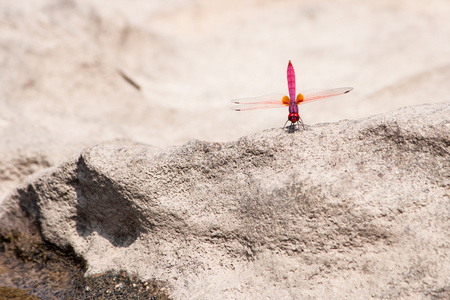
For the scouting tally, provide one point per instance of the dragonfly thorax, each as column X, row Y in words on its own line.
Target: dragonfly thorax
column 293, row 117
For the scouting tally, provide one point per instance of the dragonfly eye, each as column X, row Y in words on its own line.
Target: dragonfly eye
column 293, row 117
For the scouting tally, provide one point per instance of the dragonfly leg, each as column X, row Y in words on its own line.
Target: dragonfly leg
column 292, row 125
column 301, row 121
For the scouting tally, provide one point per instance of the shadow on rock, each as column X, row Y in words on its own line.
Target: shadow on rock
column 111, row 212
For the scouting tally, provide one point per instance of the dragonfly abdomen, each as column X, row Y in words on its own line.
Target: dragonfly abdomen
column 291, row 81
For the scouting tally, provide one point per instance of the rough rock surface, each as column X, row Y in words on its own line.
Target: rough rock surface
column 353, row 209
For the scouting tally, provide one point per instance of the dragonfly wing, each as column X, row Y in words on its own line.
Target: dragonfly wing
column 262, row 102
column 317, row 94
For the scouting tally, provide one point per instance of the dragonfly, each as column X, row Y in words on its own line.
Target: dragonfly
column 293, row 101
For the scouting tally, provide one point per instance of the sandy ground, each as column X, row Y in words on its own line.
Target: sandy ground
column 61, row 60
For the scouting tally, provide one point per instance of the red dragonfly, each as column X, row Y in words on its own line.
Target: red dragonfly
column 293, row 101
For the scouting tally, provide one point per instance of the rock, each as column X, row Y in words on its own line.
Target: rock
column 353, row 209
column 76, row 74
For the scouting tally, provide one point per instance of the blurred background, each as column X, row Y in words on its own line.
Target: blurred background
column 77, row 73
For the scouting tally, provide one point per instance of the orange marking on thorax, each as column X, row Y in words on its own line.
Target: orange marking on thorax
column 300, row 98
column 286, row 100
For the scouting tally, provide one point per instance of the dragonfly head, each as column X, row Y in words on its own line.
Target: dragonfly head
column 293, row 117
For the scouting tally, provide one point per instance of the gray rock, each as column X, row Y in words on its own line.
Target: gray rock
column 353, row 209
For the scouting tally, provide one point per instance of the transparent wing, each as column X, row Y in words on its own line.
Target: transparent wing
column 262, row 102
column 317, row 94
